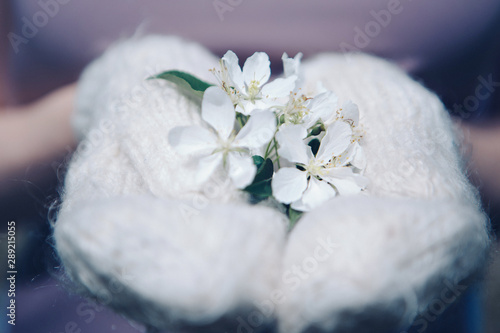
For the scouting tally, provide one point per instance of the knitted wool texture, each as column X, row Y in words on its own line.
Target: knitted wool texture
column 136, row 232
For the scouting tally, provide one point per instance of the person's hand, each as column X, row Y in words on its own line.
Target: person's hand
column 482, row 146
column 36, row 132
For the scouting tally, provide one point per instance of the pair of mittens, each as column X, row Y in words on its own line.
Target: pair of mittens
column 138, row 233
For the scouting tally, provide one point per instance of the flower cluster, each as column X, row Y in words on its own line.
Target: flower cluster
column 311, row 144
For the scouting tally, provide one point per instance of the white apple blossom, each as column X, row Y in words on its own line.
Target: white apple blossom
column 348, row 113
column 219, row 144
column 319, row 177
column 307, row 111
column 249, row 88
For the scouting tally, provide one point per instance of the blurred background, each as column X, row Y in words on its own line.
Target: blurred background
column 452, row 47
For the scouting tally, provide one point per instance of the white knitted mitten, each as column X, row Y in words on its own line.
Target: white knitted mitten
column 133, row 230
column 137, row 233
column 419, row 230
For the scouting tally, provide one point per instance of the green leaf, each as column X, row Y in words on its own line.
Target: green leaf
column 258, row 160
column 187, row 83
column 294, row 216
column 241, row 119
column 265, row 168
column 260, row 188
column 317, row 130
column 314, row 144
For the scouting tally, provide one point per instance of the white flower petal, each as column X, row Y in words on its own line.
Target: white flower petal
column 309, row 120
column 247, row 107
column 291, row 65
column 339, row 173
column 354, row 154
column 241, row 169
column 350, row 113
column 244, row 107
column 258, row 131
column 323, row 106
column 289, row 184
column 359, row 157
column 299, row 205
column 336, row 140
column 263, row 104
column 279, row 87
column 345, row 181
column 257, row 68
column 320, row 87
column 230, row 60
column 292, row 145
column 192, row 140
column 346, row 156
column 217, row 110
column 317, row 193
column 207, row 166
column 346, row 186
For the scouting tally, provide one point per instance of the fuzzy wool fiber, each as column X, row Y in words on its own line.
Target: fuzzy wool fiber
column 136, row 232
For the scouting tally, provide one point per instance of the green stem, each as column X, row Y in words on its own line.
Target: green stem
column 239, row 121
column 276, row 150
column 266, row 154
